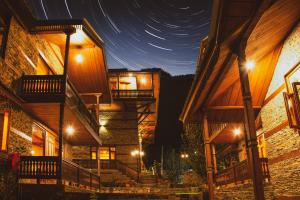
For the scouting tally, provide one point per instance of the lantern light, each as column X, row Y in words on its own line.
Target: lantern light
column 79, row 58
column 250, row 64
column 237, row 131
column 70, row 130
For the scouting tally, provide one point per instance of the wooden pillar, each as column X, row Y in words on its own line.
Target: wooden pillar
column 98, row 148
column 62, row 109
column 214, row 155
column 208, row 158
column 250, row 130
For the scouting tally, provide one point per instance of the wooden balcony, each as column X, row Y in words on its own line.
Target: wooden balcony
column 47, row 167
column 240, row 172
column 133, row 94
column 42, row 95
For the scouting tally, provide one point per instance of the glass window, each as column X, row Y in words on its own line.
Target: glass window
column 94, row 155
column 113, row 81
column 104, row 153
column 127, row 83
column 4, row 126
column 107, row 153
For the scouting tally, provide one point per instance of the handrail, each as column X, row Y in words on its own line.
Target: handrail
column 240, row 172
column 47, row 167
column 133, row 93
column 51, row 88
column 128, row 171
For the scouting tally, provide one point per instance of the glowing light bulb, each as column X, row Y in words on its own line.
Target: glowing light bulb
column 237, row 131
column 70, row 130
column 250, row 65
column 79, row 58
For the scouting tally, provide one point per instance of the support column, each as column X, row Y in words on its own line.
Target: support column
column 98, row 120
column 214, row 155
column 62, row 109
column 249, row 120
column 208, row 158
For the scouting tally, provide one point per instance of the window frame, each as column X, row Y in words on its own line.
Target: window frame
column 8, row 130
column 3, row 44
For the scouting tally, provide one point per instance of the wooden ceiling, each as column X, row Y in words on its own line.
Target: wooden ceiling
column 48, row 114
column 222, row 87
column 90, row 75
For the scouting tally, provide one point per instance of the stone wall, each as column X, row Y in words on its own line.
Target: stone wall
column 282, row 142
column 120, row 129
column 21, row 57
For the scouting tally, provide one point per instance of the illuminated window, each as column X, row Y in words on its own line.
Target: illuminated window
column 4, row 127
column 113, row 81
column 107, row 153
column 261, row 145
column 127, row 83
column 94, row 155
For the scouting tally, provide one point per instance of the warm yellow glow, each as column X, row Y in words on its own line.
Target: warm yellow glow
column 184, row 155
column 32, row 152
column 143, row 81
column 5, row 132
column 78, row 37
column 250, row 64
column 70, row 130
column 130, row 74
column 237, row 131
column 79, row 58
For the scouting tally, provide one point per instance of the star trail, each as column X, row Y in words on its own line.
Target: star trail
column 140, row 33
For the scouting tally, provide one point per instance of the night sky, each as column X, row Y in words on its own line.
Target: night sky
column 140, row 33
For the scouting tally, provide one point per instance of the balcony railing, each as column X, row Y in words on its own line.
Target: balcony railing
column 47, row 167
column 42, row 88
column 132, row 94
column 50, row 88
column 240, row 172
column 108, row 164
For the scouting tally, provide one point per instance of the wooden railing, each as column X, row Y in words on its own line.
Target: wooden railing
column 86, row 163
column 131, row 173
column 132, row 94
column 240, row 172
column 39, row 167
column 43, row 88
column 108, row 164
column 51, row 88
column 79, row 175
column 47, row 167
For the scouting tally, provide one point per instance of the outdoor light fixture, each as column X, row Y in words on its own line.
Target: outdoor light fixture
column 32, row 152
column 184, row 155
column 143, row 81
column 130, row 74
column 250, row 65
column 79, row 58
column 237, row 131
column 70, row 130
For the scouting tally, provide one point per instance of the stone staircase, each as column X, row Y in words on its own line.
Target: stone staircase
column 113, row 177
column 148, row 180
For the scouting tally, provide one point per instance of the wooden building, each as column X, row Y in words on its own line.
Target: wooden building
column 53, row 76
column 126, row 125
column 245, row 98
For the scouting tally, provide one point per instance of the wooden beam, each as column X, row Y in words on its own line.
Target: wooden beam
column 230, row 107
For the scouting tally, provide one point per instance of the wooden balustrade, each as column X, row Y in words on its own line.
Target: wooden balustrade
column 43, row 88
column 47, row 167
column 240, row 172
column 51, row 88
column 86, row 163
column 132, row 94
column 39, row 167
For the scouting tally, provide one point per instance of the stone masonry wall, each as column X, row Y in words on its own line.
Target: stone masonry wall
column 121, row 130
column 21, row 57
column 282, row 142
